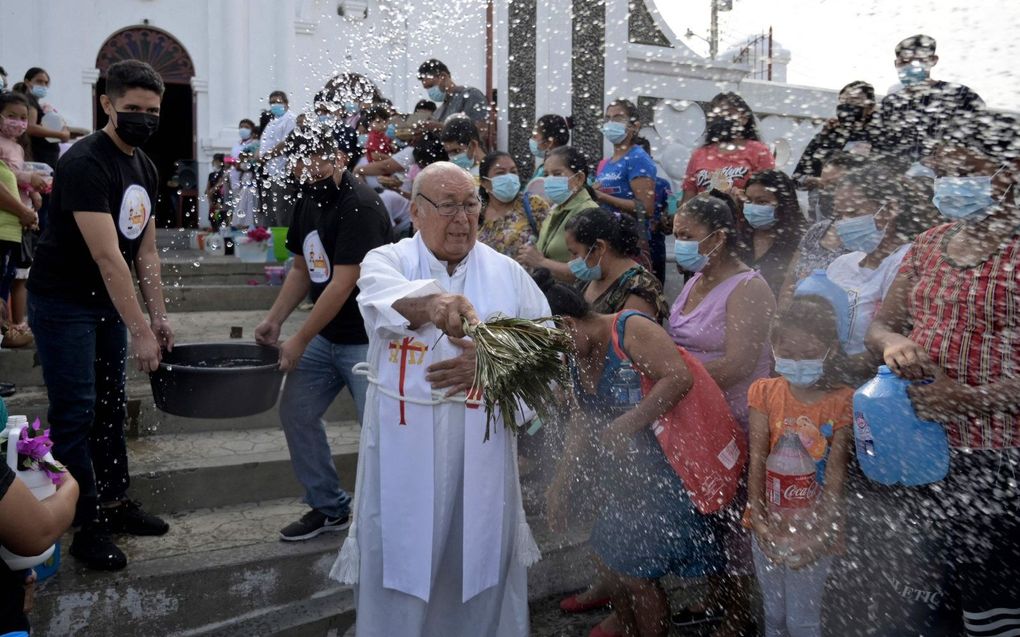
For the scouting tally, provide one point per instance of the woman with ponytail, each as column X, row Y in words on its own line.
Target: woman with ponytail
column 604, row 246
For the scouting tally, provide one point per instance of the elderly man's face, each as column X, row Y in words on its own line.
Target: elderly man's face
column 449, row 237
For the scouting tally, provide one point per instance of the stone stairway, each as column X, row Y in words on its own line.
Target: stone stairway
column 226, row 487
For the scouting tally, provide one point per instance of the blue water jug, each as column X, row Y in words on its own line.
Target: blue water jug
column 893, row 445
column 819, row 284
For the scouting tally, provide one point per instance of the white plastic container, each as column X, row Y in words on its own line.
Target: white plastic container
column 251, row 251
column 37, row 482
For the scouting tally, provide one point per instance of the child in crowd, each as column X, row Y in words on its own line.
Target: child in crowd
column 380, row 145
column 28, row 184
column 804, row 401
column 216, row 192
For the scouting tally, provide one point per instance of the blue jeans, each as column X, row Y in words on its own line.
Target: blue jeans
column 324, row 369
column 83, row 351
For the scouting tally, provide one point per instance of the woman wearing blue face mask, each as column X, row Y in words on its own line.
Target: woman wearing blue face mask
column 463, row 145
column 604, row 246
column 566, row 186
column 722, row 318
column 36, row 88
column 878, row 243
column 771, row 225
column 625, row 181
column 949, row 317
column 510, row 218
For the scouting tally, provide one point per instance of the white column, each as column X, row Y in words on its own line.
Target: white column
column 501, row 71
column 617, row 42
column 89, row 77
column 553, row 51
column 204, row 149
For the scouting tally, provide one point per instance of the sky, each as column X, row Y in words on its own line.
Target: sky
column 833, row 42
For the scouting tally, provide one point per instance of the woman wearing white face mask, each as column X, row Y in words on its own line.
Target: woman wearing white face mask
column 950, row 316
column 243, row 190
column 567, row 188
column 510, row 219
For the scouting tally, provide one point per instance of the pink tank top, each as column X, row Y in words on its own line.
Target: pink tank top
column 702, row 332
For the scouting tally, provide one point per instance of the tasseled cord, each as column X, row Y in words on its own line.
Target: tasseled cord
column 525, row 548
column 347, row 567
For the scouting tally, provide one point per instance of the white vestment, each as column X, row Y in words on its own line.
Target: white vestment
column 413, row 589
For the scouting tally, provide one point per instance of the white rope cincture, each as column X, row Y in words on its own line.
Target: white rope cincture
column 364, row 369
column 346, row 568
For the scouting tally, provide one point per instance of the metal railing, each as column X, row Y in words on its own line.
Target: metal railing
column 757, row 54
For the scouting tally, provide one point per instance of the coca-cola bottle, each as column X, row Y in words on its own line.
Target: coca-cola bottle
column 791, row 488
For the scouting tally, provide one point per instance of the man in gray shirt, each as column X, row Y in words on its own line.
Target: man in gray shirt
column 451, row 98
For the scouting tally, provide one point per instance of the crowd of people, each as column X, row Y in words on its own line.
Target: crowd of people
column 403, row 226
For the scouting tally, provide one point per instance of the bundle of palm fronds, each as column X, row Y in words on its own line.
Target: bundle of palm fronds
column 518, row 361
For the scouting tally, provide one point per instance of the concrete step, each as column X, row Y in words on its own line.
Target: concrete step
column 217, row 572
column 178, row 472
column 223, row 572
column 144, row 419
column 206, row 270
column 219, row 298
column 21, row 366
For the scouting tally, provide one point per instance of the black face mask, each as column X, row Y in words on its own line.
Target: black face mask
column 850, row 114
column 134, row 128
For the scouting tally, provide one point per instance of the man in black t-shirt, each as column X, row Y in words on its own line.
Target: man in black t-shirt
column 912, row 120
column 82, row 306
column 336, row 222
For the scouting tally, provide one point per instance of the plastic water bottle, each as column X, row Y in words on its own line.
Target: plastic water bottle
column 626, row 386
column 791, row 489
column 894, row 446
column 819, row 284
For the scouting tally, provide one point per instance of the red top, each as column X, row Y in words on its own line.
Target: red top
column 738, row 165
column 378, row 143
column 968, row 320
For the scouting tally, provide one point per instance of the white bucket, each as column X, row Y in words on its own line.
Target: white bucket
column 251, row 251
column 41, row 487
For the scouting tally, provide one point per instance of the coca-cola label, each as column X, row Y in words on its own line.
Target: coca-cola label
column 790, row 492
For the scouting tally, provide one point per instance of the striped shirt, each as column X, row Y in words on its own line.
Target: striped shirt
column 968, row 320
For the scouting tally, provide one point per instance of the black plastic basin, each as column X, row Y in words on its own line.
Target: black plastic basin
column 217, row 380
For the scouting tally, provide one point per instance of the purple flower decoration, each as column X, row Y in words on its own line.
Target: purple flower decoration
column 34, row 445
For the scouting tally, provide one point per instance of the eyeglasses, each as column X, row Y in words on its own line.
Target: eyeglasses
column 450, row 209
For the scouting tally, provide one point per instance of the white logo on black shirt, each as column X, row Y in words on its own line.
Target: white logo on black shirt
column 316, row 258
column 135, row 210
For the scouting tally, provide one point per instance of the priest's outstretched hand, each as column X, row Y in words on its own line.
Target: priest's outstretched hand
column 447, row 310
column 456, row 375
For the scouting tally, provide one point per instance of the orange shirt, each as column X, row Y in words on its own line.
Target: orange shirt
column 772, row 397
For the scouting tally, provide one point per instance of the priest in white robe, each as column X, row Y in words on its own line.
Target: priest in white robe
column 439, row 546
